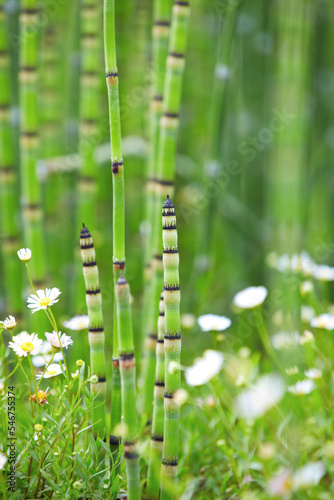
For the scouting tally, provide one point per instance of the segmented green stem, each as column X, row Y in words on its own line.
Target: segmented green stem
column 96, row 329
column 157, row 434
column 9, row 199
column 128, row 385
column 29, row 140
column 118, row 187
column 91, row 20
column 172, row 342
column 162, row 10
column 164, row 182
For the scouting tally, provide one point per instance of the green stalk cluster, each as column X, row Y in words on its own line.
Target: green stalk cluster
column 172, row 342
column 118, row 195
column 91, row 21
column 29, row 143
column 96, row 330
column 157, row 434
column 128, row 385
column 164, row 182
column 9, row 199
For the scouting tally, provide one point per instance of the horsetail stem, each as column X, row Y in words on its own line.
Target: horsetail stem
column 154, row 468
column 118, row 194
column 164, row 182
column 90, row 18
column 172, row 342
column 9, row 199
column 160, row 39
column 128, row 385
column 96, row 330
column 29, row 139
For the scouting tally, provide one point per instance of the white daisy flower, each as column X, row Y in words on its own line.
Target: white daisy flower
column 3, row 460
column 24, row 254
column 302, row 387
column 306, row 287
column 292, row 370
column 323, row 273
column 302, row 263
column 45, row 355
column 281, row 484
column 251, row 297
column 285, row 340
column 313, row 373
column 52, row 371
column 188, row 321
column 213, row 322
column 59, row 340
column 306, row 338
column 307, row 313
column 255, row 401
column 205, row 368
column 25, row 343
column 77, row 323
column 43, row 299
column 324, row 321
column 309, row 475
column 9, row 323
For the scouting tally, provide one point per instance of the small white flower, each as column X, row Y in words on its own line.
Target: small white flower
column 302, row 387
column 255, row 401
column 285, row 340
column 173, row 367
column 213, row 323
column 306, row 287
column 309, row 475
column 250, row 297
column 77, row 323
column 9, row 323
column 281, row 485
column 292, row 370
column 302, row 264
column 323, row 273
column 306, row 338
column 59, row 340
column 283, row 263
column 25, row 343
column 3, row 460
column 324, row 321
column 43, row 299
column 307, row 313
column 52, row 371
column 180, row 396
column 45, row 355
column 188, row 321
column 205, row 368
column 313, row 373
column 24, row 254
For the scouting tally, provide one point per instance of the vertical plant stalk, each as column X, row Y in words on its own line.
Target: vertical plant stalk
column 95, row 331
column 29, row 144
column 172, row 342
column 160, row 39
column 118, row 196
column 9, row 199
column 128, row 385
column 90, row 18
column 157, row 434
column 164, row 182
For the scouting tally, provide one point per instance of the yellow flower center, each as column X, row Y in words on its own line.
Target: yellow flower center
column 44, row 302
column 41, row 395
column 27, row 346
column 51, row 372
